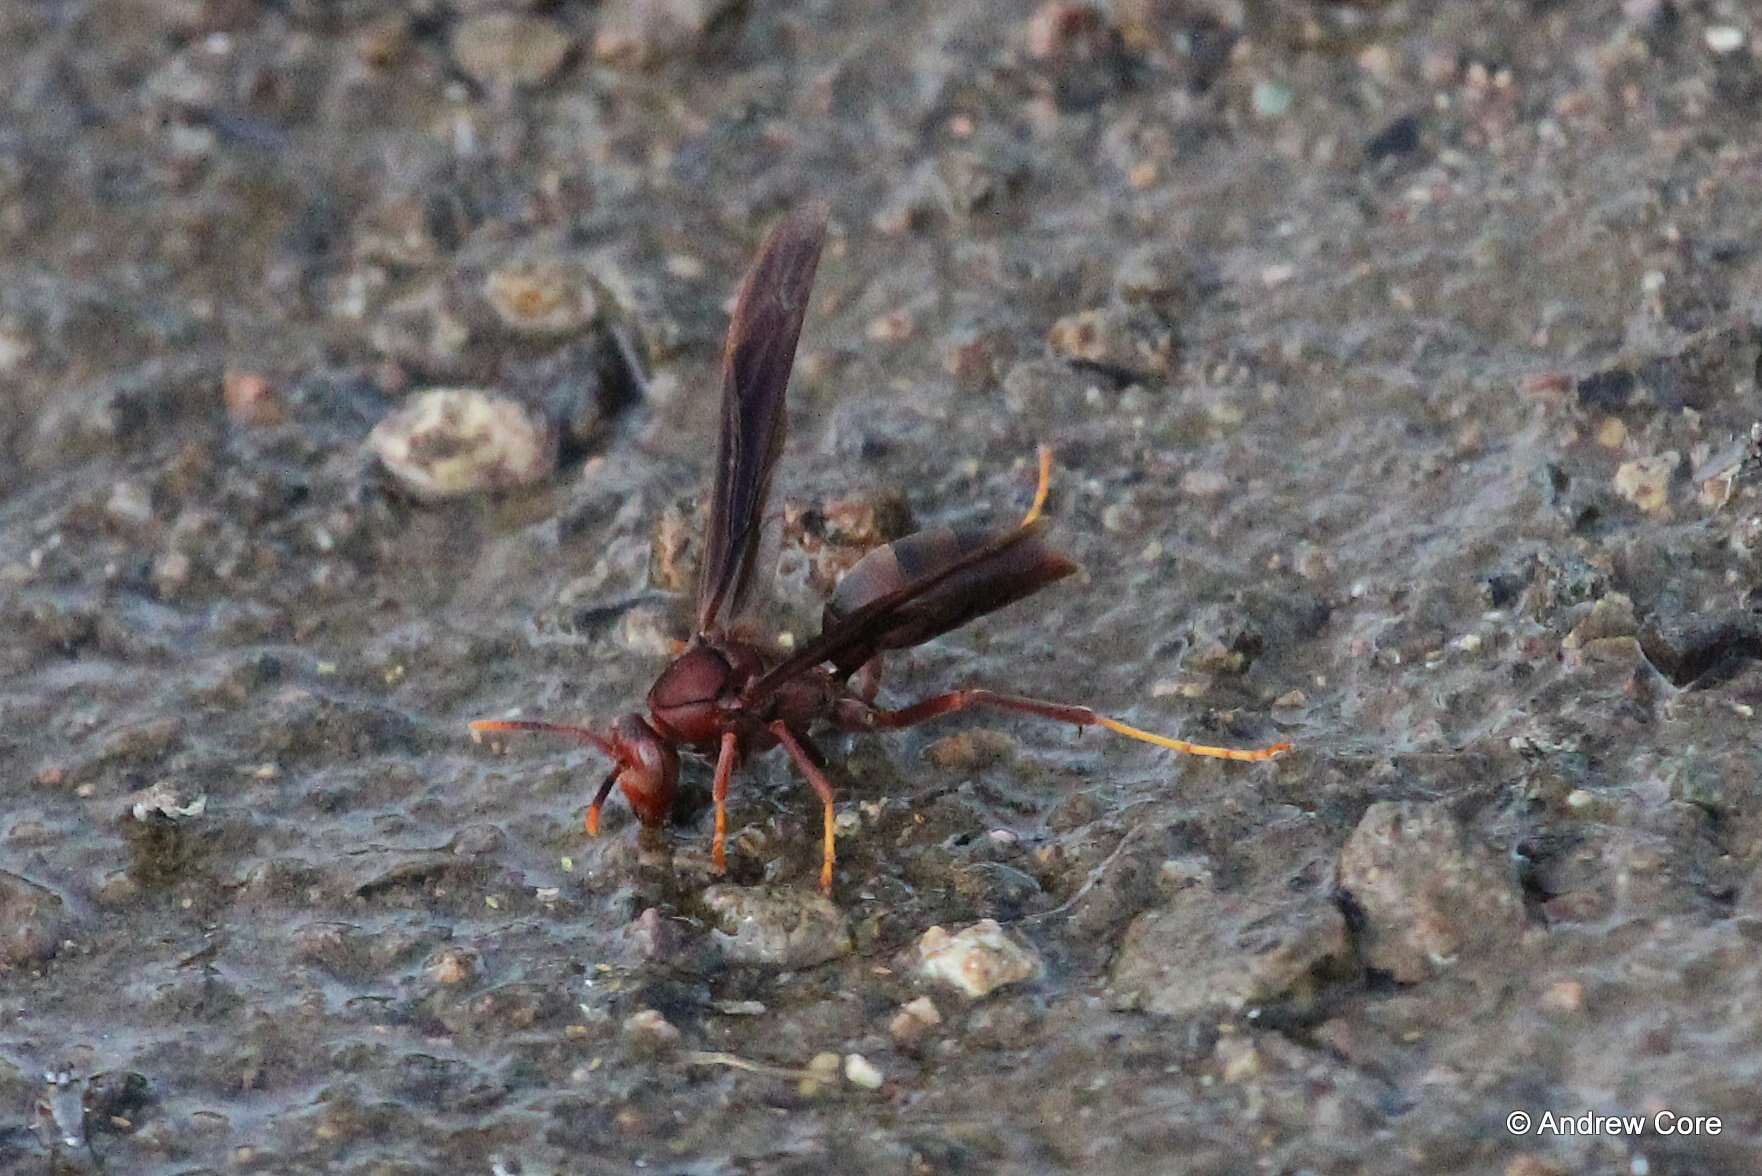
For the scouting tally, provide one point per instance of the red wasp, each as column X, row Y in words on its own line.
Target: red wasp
column 729, row 696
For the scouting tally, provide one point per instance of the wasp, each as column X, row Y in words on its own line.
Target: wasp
column 731, row 698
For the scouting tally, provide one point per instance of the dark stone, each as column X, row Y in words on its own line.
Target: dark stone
column 1400, row 137
column 1608, row 390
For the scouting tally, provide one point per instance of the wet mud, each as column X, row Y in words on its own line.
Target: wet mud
column 357, row 379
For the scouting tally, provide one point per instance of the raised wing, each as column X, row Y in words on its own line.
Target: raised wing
column 755, row 373
column 960, row 580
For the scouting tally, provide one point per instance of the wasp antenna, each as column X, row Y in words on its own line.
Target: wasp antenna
column 1058, row 712
column 1241, row 755
column 579, row 734
column 1045, row 485
column 599, row 800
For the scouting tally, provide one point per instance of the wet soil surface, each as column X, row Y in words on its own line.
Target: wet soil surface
column 1399, row 359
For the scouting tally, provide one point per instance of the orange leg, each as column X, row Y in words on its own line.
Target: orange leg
column 726, row 762
column 861, row 717
column 794, row 745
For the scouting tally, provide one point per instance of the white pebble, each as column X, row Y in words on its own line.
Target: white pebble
column 448, row 442
column 860, row 1071
column 130, row 503
column 977, row 960
column 1725, row 38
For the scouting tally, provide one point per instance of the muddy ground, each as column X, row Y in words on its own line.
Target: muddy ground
column 1389, row 352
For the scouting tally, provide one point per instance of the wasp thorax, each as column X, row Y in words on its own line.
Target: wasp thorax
column 685, row 699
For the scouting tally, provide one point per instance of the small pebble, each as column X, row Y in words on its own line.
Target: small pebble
column 1612, row 616
column 339, row 948
column 977, row 960
column 1130, row 340
column 649, row 1029
column 451, row 442
column 1202, row 949
column 130, row 503
column 1176, row 874
column 62, row 1109
column 1204, row 483
column 972, row 362
column 14, row 349
column 822, row 1074
column 540, row 298
column 251, row 400
column 1645, row 481
column 780, row 927
column 673, row 549
column 1271, row 99
column 1211, row 656
column 1430, row 893
column 1725, row 38
column 453, row 965
column 507, row 50
column 1121, row 518
column 165, row 801
column 1238, row 1059
column 1378, row 61
column 893, row 327
column 643, row 32
column 1564, row 996
column 914, row 1019
column 866, row 520
column 860, row 1071
column 171, row 573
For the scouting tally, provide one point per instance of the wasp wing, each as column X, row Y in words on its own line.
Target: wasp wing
column 953, row 579
column 756, row 360
column 1011, row 572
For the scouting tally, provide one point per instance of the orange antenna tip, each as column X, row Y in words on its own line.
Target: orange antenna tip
column 1241, row 755
column 599, row 800
column 1042, row 488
